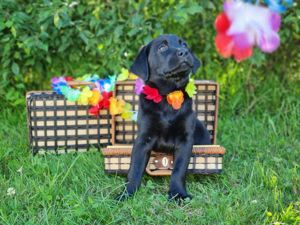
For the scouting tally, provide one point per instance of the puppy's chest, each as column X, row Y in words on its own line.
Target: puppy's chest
column 169, row 120
column 166, row 123
column 169, row 130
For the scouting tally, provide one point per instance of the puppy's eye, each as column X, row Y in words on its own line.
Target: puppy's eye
column 184, row 44
column 163, row 47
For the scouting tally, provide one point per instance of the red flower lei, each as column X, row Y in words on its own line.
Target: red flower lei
column 152, row 94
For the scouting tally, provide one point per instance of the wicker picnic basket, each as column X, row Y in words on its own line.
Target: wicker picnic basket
column 205, row 159
column 205, row 104
column 56, row 125
column 59, row 126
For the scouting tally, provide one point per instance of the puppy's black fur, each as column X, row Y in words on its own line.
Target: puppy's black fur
column 165, row 63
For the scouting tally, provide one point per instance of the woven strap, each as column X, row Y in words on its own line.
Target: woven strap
column 157, row 173
column 197, row 149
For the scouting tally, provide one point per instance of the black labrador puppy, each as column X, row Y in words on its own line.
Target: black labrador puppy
column 165, row 64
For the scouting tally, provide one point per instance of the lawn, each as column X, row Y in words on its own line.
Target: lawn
column 260, row 183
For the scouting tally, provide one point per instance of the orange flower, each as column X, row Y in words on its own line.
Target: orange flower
column 95, row 98
column 175, row 99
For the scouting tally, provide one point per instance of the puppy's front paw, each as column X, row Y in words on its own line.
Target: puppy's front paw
column 179, row 197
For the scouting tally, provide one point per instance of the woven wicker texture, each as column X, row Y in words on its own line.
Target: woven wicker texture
column 57, row 125
column 205, row 104
column 60, row 126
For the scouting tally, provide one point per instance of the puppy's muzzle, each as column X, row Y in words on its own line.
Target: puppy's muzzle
column 179, row 71
column 182, row 52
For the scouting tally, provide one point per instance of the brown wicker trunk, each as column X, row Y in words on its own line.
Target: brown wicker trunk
column 59, row 126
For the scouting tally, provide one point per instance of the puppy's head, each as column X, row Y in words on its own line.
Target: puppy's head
column 166, row 58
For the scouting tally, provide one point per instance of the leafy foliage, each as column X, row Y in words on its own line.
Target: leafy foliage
column 41, row 39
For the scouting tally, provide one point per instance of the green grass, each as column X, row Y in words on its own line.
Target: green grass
column 260, row 183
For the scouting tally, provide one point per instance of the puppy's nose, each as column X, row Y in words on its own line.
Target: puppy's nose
column 182, row 52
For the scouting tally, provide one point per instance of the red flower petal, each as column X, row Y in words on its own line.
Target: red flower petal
column 105, row 104
column 152, row 94
column 105, row 101
column 224, row 45
column 222, row 23
column 106, row 95
column 68, row 78
column 241, row 54
column 157, row 99
column 94, row 110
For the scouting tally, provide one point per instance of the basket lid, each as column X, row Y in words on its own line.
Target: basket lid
column 197, row 149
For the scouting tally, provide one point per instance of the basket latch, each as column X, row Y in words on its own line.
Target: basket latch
column 163, row 162
column 162, row 165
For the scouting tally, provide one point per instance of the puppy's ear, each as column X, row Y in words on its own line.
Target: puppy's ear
column 197, row 63
column 140, row 66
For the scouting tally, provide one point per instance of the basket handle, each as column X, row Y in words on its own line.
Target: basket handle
column 80, row 83
column 158, row 172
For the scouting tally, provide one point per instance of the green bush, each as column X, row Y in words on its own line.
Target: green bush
column 41, row 39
